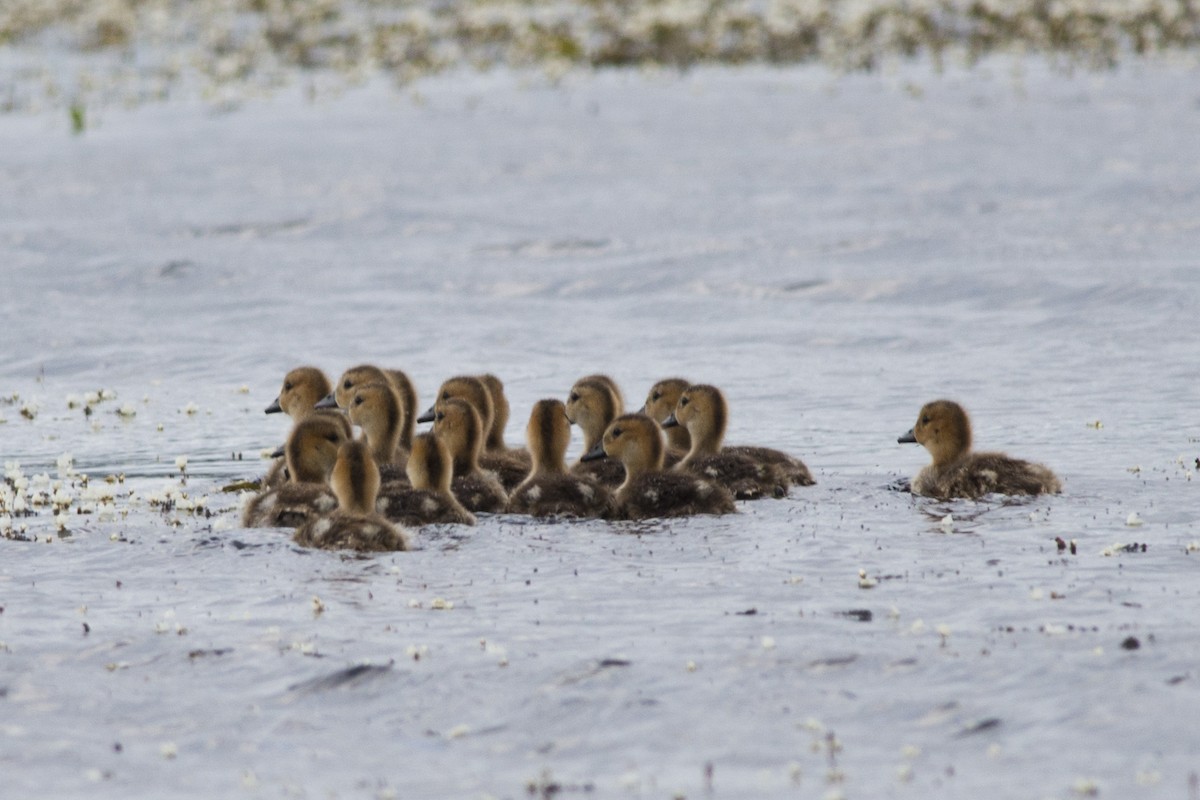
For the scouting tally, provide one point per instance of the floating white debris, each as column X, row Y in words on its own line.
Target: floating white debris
column 318, row 606
column 917, row 627
column 1085, row 787
column 29, row 410
column 1036, row 594
column 943, row 630
column 995, row 751
column 168, row 750
column 691, row 666
column 91, row 398
column 768, row 643
column 108, row 394
column 864, row 582
column 910, row 751
column 904, row 773
column 1097, row 424
column 127, row 411
column 181, row 463
column 243, row 389
column 249, row 779
column 1135, row 469
column 74, row 401
column 1052, row 629
column 417, row 651
column 440, row 604
column 458, row 731
column 947, row 523
column 191, row 409
column 1192, row 547
column 1134, row 520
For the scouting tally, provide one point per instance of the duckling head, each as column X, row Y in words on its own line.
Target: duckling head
column 458, row 424
column 943, row 428
column 607, row 381
column 660, row 403
column 469, row 389
column 703, row 412
column 548, row 434
column 355, row 478
column 375, row 407
column 592, row 405
column 634, row 439
column 302, row 388
column 430, row 466
column 352, row 378
column 312, row 447
column 500, row 411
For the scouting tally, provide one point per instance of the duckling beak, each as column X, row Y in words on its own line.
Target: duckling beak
column 595, row 454
column 278, row 452
column 908, row 438
column 670, row 422
column 328, row 401
column 274, row 408
column 428, row 416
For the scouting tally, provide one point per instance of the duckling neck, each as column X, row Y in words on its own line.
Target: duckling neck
column 704, row 442
column 678, row 438
column 383, row 437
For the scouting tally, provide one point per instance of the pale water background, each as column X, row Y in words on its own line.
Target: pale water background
column 831, row 250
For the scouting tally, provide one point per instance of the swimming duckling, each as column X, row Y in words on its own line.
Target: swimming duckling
column 648, row 491
column 944, row 429
column 458, row 424
column 354, row 524
column 302, row 388
column 310, row 454
column 593, row 404
column 375, row 407
column 660, row 404
column 551, row 491
column 703, row 411
column 367, row 373
column 510, row 466
column 428, row 500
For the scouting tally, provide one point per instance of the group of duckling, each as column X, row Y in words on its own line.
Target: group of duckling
column 666, row 460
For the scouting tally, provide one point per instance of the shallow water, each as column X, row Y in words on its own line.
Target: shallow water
column 832, row 251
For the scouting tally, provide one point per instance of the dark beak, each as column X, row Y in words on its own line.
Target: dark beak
column 908, row 438
column 278, row 452
column 274, row 407
column 427, row 416
column 671, row 422
column 596, row 453
column 328, row 401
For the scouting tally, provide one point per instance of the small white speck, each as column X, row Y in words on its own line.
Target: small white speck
column 168, row 750
column 318, row 606
column 191, row 409
column 691, row 666
column 181, row 463
column 1134, row 519
column 458, row 731
column 1085, row 787
column 127, row 411
column 440, row 604
column 768, row 643
column 947, row 523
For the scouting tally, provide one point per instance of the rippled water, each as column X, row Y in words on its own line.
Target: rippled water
column 832, row 251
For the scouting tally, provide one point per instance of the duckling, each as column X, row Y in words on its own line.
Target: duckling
column 428, row 500
column 649, row 491
column 660, row 404
column 354, row 525
column 311, row 452
column 302, row 388
column 703, row 411
column 375, row 407
column 367, row 373
column 944, row 429
column 509, row 466
column 593, row 404
column 551, row 491
column 607, row 381
column 458, row 424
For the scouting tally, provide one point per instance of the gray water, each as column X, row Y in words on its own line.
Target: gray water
column 833, row 251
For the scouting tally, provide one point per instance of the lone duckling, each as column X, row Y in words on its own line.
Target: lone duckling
column 365, row 374
column 944, row 429
column 551, row 491
column 428, row 500
column 703, row 411
column 510, row 466
column 592, row 404
column 649, row 492
column 375, row 407
column 457, row 423
column 354, row 524
column 310, row 454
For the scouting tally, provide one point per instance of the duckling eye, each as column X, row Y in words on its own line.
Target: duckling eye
column 924, row 420
column 445, row 395
column 347, row 384
column 287, row 386
column 574, row 398
column 683, row 401
column 656, row 396
column 358, row 401
column 616, row 432
column 438, row 417
column 333, row 437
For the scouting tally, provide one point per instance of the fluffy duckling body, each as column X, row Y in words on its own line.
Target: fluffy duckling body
column 703, row 411
column 550, row 490
column 354, row 524
column 944, row 429
column 592, row 404
column 428, row 500
column 648, row 491
column 310, row 454
column 458, row 424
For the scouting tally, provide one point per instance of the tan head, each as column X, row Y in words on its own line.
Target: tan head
column 702, row 411
column 353, row 378
column 355, row 478
column 469, row 389
column 547, row 435
column 430, row 466
column 944, row 429
column 607, row 380
column 495, row 436
column 302, row 388
column 375, row 407
column 592, row 405
column 312, row 448
column 660, row 404
column 634, row 439
column 457, row 423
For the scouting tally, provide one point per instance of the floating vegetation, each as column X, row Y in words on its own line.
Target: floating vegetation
column 138, row 50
